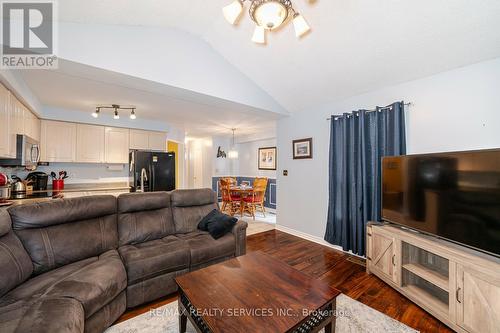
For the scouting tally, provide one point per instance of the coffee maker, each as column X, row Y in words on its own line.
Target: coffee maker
column 38, row 180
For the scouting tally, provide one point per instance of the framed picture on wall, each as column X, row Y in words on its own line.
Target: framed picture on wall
column 267, row 158
column 302, row 148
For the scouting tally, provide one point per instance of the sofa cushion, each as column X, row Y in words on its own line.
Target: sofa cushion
column 204, row 248
column 63, row 231
column 190, row 206
column 144, row 217
column 203, row 224
column 94, row 282
column 46, row 315
column 15, row 263
column 220, row 224
column 150, row 259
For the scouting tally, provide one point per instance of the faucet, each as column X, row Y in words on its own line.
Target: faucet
column 144, row 177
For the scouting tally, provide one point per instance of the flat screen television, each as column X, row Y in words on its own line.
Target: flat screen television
column 453, row 195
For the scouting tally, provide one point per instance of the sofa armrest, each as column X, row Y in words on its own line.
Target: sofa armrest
column 240, row 236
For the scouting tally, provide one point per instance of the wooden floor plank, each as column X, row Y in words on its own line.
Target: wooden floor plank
column 331, row 266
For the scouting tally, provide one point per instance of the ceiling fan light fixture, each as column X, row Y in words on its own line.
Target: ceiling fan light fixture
column 300, row 25
column 270, row 14
column 259, row 35
column 233, row 11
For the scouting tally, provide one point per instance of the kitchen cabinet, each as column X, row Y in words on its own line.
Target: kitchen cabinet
column 139, row 139
column 157, row 141
column 31, row 124
column 16, row 122
column 116, row 145
column 4, row 122
column 89, row 143
column 15, row 119
column 58, row 141
column 148, row 140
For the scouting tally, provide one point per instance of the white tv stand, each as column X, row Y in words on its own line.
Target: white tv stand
column 457, row 285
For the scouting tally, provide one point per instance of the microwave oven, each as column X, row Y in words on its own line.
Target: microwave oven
column 27, row 153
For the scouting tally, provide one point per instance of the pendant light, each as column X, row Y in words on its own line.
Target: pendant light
column 233, row 153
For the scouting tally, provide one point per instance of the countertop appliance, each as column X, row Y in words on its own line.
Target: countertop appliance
column 27, row 153
column 19, row 185
column 151, row 171
column 453, row 195
column 39, row 180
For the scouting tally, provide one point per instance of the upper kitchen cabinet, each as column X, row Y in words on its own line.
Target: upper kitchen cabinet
column 148, row 140
column 116, row 145
column 157, row 141
column 139, row 139
column 89, row 143
column 16, row 122
column 4, row 123
column 31, row 124
column 58, row 142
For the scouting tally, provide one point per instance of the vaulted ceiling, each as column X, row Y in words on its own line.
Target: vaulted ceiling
column 186, row 52
column 355, row 46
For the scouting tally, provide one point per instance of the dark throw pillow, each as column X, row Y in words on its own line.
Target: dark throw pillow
column 220, row 224
column 203, row 224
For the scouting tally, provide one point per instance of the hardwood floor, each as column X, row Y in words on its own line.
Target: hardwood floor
column 340, row 270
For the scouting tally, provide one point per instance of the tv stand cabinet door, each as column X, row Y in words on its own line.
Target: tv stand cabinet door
column 382, row 254
column 478, row 300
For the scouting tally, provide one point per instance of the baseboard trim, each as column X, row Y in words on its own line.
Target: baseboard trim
column 307, row 236
column 314, row 239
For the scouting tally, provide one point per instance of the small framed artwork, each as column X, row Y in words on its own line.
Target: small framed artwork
column 302, row 148
column 267, row 158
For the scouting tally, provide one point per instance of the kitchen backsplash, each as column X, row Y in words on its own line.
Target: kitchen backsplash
column 79, row 173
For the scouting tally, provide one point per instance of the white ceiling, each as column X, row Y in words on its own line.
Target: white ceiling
column 356, row 45
column 77, row 87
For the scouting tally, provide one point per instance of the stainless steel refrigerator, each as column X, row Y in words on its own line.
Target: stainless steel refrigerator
column 151, row 171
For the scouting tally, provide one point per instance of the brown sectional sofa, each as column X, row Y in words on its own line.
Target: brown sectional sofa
column 75, row 265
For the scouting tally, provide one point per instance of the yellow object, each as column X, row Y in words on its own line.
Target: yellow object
column 174, row 146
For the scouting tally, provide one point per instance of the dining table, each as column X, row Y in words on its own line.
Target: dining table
column 243, row 191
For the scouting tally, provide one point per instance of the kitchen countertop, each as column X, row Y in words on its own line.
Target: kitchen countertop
column 70, row 188
column 91, row 187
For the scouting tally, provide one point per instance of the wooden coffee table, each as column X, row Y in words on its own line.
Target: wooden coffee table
column 255, row 293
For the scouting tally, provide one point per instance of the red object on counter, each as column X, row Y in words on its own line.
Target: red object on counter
column 57, row 185
column 3, row 179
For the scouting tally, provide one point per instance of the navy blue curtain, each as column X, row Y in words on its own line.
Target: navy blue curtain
column 358, row 141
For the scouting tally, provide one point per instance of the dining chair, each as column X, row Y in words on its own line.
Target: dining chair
column 256, row 198
column 230, row 201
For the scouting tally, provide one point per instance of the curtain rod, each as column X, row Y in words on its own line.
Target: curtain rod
column 385, row 107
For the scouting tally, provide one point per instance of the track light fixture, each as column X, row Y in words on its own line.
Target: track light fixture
column 116, row 108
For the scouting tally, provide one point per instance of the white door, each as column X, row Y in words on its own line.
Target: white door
column 116, row 145
column 90, row 144
column 197, row 168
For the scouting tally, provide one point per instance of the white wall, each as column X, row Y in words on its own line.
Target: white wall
column 455, row 110
column 248, row 158
column 169, row 56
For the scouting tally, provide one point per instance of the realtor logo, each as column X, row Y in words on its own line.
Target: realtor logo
column 28, row 30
